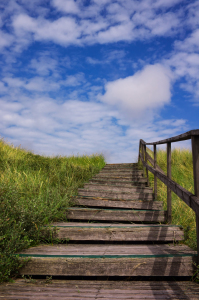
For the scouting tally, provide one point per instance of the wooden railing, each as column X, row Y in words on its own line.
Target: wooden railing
column 190, row 199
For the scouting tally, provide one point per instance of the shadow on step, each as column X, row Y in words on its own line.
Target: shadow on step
column 117, row 278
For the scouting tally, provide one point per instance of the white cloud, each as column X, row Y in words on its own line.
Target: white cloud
column 69, row 6
column 36, row 83
column 184, row 61
column 93, row 61
column 5, row 39
column 163, row 25
column 73, row 127
column 145, row 91
column 44, row 65
column 98, row 22
column 74, row 80
column 190, row 44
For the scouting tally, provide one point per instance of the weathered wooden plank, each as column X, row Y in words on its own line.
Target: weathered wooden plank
column 107, row 187
column 112, row 224
column 115, row 215
column 121, row 168
column 122, row 165
column 124, row 183
column 109, row 250
column 147, row 173
column 195, row 154
column 160, row 266
column 155, row 166
column 118, row 233
column 118, row 203
column 94, row 285
column 120, row 178
column 115, row 195
column 182, row 137
column 122, row 173
column 98, row 290
column 169, row 217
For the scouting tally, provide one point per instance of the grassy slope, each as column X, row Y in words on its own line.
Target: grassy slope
column 35, row 190
column 182, row 173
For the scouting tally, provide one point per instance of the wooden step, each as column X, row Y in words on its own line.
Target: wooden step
column 116, row 195
column 42, row 289
column 123, row 173
column 117, row 182
column 131, row 165
column 127, row 215
column 118, row 203
column 120, row 177
column 121, row 168
column 109, row 260
column 76, row 231
column 113, row 188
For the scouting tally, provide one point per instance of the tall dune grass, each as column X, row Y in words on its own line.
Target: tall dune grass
column 35, row 190
column 182, row 173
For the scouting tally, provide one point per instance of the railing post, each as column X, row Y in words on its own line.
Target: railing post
column 143, row 158
column 139, row 152
column 147, row 173
column 155, row 177
column 169, row 218
column 195, row 153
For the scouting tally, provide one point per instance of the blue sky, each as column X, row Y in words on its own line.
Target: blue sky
column 95, row 76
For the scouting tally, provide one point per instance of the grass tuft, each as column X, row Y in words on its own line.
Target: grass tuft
column 182, row 173
column 34, row 191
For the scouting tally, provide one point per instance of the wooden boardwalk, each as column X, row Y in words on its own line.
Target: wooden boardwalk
column 115, row 229
column 99, row 290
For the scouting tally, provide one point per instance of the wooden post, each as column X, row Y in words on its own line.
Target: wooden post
column 155, row 177
column 140, row 148
column 169, row 218
column 143, row 158
column 147, row 173
column 195, row 153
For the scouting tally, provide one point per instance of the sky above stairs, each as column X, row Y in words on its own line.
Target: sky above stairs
column 84, row 77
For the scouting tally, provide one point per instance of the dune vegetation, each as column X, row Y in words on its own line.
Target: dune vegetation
column 182, row 173
column 34, row 191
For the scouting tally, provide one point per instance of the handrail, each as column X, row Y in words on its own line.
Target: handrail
column 190, row 199
column 178, row 138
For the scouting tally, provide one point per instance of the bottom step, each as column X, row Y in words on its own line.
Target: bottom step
column 98, row 290
column 109, row 260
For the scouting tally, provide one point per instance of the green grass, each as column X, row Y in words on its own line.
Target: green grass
column 34, row 191
column 182, row 173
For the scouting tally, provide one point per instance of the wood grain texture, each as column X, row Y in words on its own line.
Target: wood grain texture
column 195, row 154
column 168, row 266
column 98, row 290
column 115, row 215
column 121, row 172
column 115, row 195
column 154, row 163
column 104, row 250
column 169, row 208
column 124, row 183
column 118, row 203
column 118, row 233
column 182, row 137
column 107, row 187
column 120, row 178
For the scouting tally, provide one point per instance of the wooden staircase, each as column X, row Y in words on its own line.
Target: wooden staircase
column 115, row 229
